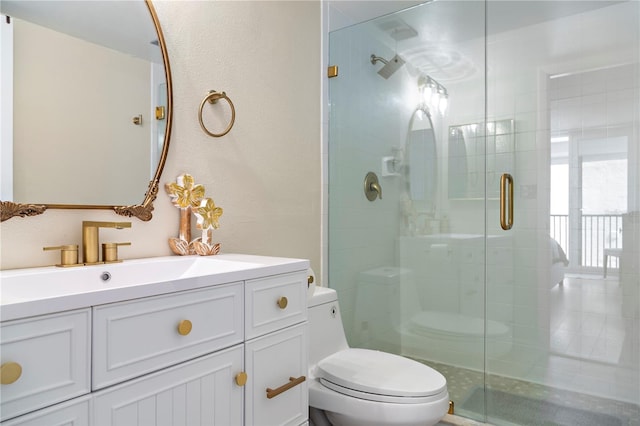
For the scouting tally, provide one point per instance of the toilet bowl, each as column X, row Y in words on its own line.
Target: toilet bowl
column 403, row 326
column 354, row 387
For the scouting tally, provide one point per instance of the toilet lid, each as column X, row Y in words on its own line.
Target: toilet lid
column 380, row 373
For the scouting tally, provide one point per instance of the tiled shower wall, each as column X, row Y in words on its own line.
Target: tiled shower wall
column 372, row 126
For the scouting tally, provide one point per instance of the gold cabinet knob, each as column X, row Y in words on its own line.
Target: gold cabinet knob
column 282, row 302
column 241, row 378
column 184, row 327
column 10, row 372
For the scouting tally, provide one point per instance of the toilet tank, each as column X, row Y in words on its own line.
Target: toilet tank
column 386, row 298
column 326, row 333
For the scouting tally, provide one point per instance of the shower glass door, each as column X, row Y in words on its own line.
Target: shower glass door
column 538, row 322
column 567, row 73
column 409, row 266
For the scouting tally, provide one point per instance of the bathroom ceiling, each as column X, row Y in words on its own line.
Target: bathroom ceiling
column 445, row 38
column 118, row 28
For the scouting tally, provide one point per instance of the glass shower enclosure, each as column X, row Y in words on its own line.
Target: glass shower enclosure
column 501, row 243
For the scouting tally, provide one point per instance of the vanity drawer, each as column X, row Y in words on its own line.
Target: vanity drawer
column 201, row 392
column 277, row 362
column 70, row 413
column 139, row 336
column 274, row 303
column 47, row 360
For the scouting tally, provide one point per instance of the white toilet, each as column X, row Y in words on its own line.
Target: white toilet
column 358, row 387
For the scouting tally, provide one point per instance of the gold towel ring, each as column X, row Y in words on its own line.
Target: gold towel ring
column 212, row 98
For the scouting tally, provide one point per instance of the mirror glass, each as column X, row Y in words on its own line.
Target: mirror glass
column 422, row 161
column 470, row 145
column 90, row 116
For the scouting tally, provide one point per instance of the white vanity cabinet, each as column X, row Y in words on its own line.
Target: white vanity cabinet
column 276, row 351
column 227, row 354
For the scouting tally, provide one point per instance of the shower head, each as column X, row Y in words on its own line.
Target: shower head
column 389, row 66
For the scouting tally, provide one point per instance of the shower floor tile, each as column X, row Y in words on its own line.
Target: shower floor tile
column 462, row 382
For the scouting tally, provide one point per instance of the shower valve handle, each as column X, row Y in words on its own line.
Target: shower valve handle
column 372, row 188
column 376, row 187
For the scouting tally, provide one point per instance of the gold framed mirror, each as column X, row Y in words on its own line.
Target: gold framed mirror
column 136, row 131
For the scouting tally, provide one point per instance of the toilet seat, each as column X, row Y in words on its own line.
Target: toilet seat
column 380, row 376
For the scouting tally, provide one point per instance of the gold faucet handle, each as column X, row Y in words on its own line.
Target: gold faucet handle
column 110, row 252
column 68, row 254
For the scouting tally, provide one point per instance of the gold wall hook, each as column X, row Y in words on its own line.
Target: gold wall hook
column 137, row 120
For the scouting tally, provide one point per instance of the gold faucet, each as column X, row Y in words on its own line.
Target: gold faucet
column 90, row 240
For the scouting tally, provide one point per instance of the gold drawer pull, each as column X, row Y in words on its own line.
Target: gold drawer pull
column 184, row 327
column 282, row 302
column 241, row 378
column 292, row 383
column 10, row 372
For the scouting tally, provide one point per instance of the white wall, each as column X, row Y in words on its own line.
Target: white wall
column 265, row 173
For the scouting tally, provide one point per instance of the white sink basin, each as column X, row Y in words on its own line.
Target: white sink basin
column 53, row 281
column 33, row 291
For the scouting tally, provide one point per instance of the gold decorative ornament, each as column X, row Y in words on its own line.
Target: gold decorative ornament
column 9, row 209
column 189, row 197
column 185, row 195
column 208, row 215
column 184, row 327
column 10, row 372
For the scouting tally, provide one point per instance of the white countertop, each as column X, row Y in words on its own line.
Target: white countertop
column 37, row 291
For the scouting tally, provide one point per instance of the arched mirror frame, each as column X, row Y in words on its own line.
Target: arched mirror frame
column 141, row 211
column 430, row 151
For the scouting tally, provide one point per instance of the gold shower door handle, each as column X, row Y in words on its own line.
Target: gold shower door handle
column 506, row 201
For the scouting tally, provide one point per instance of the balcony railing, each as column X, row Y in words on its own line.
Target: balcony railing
column 596, row 232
